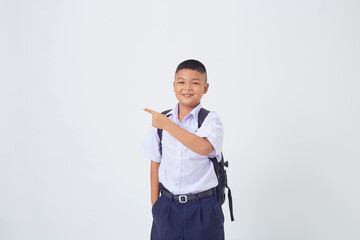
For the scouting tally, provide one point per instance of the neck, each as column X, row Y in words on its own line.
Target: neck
column 184, row 111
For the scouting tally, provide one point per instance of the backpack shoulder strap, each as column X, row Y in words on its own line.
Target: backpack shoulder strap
column 202, row 115
column 160, row 131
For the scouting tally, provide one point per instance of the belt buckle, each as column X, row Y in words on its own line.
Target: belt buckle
column 182, row 198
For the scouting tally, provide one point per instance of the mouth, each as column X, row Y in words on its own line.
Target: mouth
column 187, row 95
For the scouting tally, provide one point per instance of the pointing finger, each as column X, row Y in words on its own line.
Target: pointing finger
column 149, row 110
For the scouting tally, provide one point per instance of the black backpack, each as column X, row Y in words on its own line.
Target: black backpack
column 219, row 166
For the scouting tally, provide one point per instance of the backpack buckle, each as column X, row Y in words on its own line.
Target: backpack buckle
column 182, row 198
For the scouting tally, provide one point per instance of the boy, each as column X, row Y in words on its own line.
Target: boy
column 182, row 172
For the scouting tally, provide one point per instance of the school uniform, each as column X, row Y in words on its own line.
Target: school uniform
column 187, row 208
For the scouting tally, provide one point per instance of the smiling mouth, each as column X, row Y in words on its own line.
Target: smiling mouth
column 187, row 95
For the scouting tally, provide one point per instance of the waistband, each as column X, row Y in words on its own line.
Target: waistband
column 183, row 198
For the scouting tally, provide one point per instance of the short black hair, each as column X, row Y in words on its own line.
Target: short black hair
column 193, row 65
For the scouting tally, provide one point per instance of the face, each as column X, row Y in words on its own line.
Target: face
column 189, row 87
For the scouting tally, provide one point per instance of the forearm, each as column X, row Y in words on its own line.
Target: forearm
column 154, row 181
column 195, row 143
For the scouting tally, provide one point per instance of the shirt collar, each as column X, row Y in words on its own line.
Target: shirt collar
column 194, row 112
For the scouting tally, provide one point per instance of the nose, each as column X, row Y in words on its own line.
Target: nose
column 188, row 86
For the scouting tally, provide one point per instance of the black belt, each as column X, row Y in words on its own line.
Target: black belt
column 183, row 198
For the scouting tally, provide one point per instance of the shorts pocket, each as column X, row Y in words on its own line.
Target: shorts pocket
column 153, row 209
column 217, row 213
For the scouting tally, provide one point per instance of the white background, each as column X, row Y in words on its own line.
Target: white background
column 75, row 75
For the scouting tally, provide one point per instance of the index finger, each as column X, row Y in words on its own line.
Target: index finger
column 149, row 110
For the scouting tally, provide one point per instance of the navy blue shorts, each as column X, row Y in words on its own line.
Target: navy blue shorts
column 199, row 219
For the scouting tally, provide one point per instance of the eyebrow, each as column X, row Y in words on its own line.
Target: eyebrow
column 180, row 78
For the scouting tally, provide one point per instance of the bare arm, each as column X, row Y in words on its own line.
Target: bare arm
column 195, row 143
column 154, row 181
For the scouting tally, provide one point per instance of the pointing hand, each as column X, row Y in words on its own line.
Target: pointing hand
column 158, row 120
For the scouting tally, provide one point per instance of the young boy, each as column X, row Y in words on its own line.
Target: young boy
column 182, row 172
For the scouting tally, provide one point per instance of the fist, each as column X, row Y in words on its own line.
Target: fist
column 158, row 120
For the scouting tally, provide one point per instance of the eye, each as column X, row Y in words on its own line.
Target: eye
column 196, row 83
column 180, row 82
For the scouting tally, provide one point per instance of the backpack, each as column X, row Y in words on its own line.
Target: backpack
column 219, row 166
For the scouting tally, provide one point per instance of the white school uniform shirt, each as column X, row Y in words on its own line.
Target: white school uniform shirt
column 181, row 170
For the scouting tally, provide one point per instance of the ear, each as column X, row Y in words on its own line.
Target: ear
column 206, row 88
column 174, row 85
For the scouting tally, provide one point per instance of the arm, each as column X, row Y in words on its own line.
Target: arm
column 154, row 181
column 195, row 143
